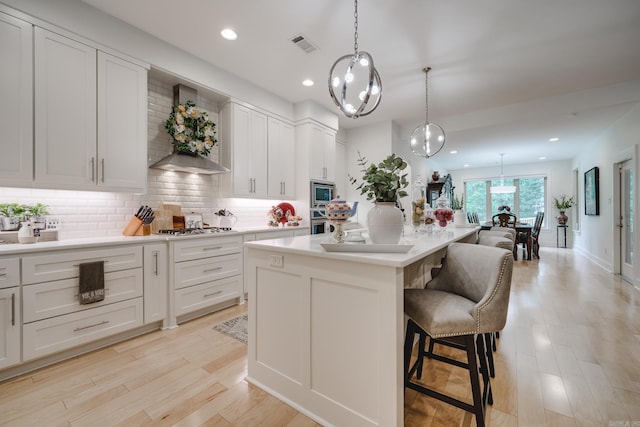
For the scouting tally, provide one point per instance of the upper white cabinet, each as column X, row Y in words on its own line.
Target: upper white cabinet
column 322, row 150
column 16, row 108
column 281, row 158
column 90, row 117
column 244, row 149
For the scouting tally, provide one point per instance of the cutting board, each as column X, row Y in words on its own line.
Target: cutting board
column 174, row 208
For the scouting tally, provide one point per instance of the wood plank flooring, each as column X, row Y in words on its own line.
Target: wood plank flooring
column 569, row 356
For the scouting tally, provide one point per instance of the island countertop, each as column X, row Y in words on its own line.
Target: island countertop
column 423, row 244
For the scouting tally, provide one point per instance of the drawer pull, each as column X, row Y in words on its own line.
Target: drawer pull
column 3, row 274
column 213, row 294
column 208, row 270
column 104, row 322
column 212, row 248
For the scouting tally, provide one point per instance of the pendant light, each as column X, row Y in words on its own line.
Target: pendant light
column 354, row 82
column 428, row 138
column 502, row 189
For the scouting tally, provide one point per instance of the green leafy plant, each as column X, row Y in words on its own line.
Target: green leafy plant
column 38, row 210
column 13, row 210
column 457, row 203
column 382, row 182
column 564, row 202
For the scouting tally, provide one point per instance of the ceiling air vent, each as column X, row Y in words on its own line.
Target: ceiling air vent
column 304, row 43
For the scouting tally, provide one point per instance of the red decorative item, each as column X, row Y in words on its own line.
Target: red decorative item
column 286, row 207
column 443, row 215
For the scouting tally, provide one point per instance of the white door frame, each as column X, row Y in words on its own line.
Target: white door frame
column 629, row 153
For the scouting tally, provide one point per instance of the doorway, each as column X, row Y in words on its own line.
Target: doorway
column 625, row 221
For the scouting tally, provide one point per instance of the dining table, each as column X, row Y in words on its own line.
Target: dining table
column 521, row 227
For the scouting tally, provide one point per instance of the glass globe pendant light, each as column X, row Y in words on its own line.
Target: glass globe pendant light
column 502, row 189
column 354, row 82
column 428, row 138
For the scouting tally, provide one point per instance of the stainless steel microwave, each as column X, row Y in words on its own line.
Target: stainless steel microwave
column 321, row 193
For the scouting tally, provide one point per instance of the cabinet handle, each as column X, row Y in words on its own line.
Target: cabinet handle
column 211, row 269
column 93, row 169
column 102, row 165
column 13, row 309
column 104, row 322
column 213, row 294
column 3, row 274
column 253, row 187
column 155, row 257
column 250, row 184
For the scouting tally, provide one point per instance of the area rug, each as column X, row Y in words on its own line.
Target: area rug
column 235, row 328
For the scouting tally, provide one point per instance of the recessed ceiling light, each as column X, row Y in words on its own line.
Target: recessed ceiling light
column 554, row 139
column 453, row 152
column 307, row 82
column 542, row 158
column 466, row 166
column 229, row 34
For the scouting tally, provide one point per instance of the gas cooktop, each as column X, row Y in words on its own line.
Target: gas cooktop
column 192, row 231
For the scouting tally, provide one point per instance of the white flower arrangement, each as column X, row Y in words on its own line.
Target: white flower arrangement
column 192, row 130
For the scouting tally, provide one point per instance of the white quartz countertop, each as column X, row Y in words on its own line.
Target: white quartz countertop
column 92, row 242
column 424, row 244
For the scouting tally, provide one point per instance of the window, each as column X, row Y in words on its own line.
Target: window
column 528, row 199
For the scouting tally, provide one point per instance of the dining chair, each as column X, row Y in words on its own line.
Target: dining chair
column 504, row 219
column 472, row 218
column 535, row 232
column 467, row 299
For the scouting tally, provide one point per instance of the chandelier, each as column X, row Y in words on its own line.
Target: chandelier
column 354, row 82
column 428, row 138
column 502, row 189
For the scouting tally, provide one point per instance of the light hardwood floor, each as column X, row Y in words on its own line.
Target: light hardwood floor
column 569, row 356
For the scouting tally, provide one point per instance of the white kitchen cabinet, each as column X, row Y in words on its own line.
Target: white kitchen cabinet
column 244, row 149
column 322, row 150
column 281, row 160
column 53, row 318
column 156, row 282
column 206, row 272
column 9, row 327
column 16, row 108
column 10, row 303
column 90, row 117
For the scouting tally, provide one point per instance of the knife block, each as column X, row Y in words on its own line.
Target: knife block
column 132, row 227
column 143, row 230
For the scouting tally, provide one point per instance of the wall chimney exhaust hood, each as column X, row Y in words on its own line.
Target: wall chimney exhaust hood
column 184, row 162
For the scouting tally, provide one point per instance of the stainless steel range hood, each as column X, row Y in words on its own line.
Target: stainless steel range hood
column 184, row 162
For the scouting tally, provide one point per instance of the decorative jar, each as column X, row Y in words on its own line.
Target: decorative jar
column 443, row 211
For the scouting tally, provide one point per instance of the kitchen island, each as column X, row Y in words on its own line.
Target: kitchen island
column 326, row 328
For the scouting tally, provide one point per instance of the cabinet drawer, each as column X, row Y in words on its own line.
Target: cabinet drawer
column 279, row 234
column 207, row 294
column 9, row 272
column 199, row 271
column 187, row 250
column 63, row 332
column 64, row 265
column 61, row 297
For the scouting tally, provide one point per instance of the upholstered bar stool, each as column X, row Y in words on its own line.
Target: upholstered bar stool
column 468, row 298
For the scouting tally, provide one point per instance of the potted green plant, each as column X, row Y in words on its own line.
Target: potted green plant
column 562, row 204
column 12, row 214
column 384, row 184
column 457, row 204
column 38, row 212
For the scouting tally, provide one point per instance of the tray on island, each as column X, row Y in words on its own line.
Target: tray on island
column 365, row 247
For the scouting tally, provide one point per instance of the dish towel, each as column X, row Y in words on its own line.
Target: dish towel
column 91, row 288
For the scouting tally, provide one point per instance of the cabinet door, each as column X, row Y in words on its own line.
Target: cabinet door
column 259, row 153
column 316, row 153
column 16, row 108
column 9, row 327
column 329, row 154
column 241, row 122
column 281, row 160
column 65, row 112
column 122, row 124
column 156, row 284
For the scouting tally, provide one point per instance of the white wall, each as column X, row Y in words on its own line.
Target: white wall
column 596, row 238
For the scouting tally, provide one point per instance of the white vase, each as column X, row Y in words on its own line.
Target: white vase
column 459, row 218
column 384, row 222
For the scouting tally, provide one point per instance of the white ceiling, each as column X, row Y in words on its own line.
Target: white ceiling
column 506, row 76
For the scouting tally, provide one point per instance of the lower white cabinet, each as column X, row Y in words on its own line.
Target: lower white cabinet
column 156, row 282
column 62, row 332
column 206, row 272
column 9, row 327
column 53, row 318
